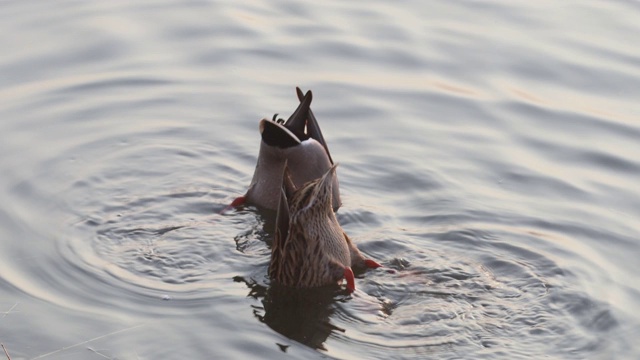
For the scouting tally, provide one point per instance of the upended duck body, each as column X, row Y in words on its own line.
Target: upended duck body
column 299, row 143
column 310, row 248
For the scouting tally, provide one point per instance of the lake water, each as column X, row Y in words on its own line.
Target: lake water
column 489, row 154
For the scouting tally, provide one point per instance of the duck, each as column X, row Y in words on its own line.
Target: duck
column 298, row 142
column 310, row 248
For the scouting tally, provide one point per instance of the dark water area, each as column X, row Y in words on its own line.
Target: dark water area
column 488, row 160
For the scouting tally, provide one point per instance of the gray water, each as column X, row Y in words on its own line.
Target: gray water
column 488, row 154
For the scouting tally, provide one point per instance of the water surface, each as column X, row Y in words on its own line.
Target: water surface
column 488, row 155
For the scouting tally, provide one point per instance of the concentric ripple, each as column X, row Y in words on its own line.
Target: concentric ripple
column 488, row 159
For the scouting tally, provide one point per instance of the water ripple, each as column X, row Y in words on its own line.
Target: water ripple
column 487, row 160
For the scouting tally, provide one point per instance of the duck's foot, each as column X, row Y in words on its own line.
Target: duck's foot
column 371, row 264
column 234, row 204
column 351, row 279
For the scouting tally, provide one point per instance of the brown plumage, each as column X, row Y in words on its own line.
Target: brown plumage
column 310, row 248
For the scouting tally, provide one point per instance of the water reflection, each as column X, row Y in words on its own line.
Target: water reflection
column 492, row 169
column 302, row 315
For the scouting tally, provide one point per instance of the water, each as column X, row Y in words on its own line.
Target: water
column 488, row 155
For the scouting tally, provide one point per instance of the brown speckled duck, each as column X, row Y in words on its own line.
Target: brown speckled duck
column 300, row 143
column 310, row 248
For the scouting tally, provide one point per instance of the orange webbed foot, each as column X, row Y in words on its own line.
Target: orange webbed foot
column 351, row 279
column 371, row 264
column 235, row 203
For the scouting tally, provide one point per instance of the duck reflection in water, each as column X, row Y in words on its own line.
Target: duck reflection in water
column 302, row 315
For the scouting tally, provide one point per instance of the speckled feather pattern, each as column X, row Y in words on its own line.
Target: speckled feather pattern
column 313, row 250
